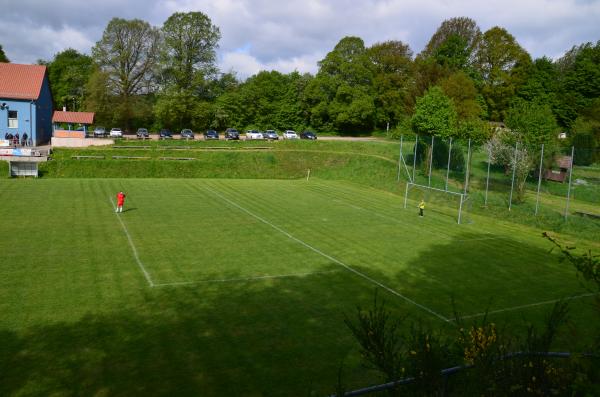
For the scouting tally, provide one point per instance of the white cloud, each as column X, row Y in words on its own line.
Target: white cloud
column 295, row 34
column 245, row 65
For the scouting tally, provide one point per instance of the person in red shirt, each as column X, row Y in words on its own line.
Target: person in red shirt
column 120, row 201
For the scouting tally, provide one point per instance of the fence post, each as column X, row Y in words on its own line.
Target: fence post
column 512, row 184
column 460, row 208
column 415, row 156
column 537, row 199
column 399, row 158
column 570, row 177
column 448, row 168
column 487, row 180
column 468, row 168
column 431, row 160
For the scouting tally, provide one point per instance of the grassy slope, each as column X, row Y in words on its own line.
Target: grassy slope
column 79, row 317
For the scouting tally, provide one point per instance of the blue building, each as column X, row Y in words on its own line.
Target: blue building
column 25, row 102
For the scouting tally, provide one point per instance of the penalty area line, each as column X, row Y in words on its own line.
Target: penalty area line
column 135, row 253
column 242, row 279
column 310, row 247
column 509, row 309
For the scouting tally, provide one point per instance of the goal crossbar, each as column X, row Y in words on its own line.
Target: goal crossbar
column 460, row 195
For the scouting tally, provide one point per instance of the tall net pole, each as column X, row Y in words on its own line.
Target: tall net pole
column 460, row 208
column 399, row 158
column 487, row 179
column 512, row 184
column 430, row 160
column 570, row 178
column 468, row 168
column 415, row 156
column 448, row 167
column 537, row 199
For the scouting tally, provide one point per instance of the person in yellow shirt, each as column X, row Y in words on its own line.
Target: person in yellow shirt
column 421, row 207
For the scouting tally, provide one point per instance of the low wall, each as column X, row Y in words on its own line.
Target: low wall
column 80, row 142
column 68, row 134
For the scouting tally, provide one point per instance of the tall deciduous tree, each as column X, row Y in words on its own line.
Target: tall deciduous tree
column 3, row 57
column 454, row 43
column 391, row 63
column 580, row 81
column 68, row 73
column 502, row 63
column 341, row 95
column 190, row 41
column 128, row 54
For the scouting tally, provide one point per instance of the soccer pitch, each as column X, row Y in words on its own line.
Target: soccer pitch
column 238, row 287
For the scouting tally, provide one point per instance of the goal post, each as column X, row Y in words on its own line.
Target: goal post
column 454, row 201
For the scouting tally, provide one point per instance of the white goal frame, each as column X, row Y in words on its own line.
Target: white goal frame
column 461, row 195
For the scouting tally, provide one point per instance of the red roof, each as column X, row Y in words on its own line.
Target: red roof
column 21, row 81
column 73, row 117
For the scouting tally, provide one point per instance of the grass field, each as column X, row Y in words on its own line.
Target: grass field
column 239, row 287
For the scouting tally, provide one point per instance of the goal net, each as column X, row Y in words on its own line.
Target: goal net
column 443, row 202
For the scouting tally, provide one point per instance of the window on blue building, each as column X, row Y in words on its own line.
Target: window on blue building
column 13, row 120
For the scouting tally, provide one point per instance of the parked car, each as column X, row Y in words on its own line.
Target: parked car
column 187, row 133
column 289, row 134
column 211, row 134
column 232, row 133
column 142, row 133
column 308, row 135
column 254, row 134
column 99, row 132
column 271, row 134
column 165, row 134
column 115, row 133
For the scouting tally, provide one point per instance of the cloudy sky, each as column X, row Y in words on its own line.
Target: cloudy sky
column 289, row 35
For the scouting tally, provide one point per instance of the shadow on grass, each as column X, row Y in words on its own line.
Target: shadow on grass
column 275, row 337
column 271, row 338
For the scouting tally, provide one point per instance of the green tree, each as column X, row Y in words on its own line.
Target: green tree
column 580, row 68
column 128, row 53
column 451, row 49
column 391, row 64
column 3, row 57
column 98, row 98
column 542, row 83
column 454, row 43
column 190, row 41
column 435, row 114
column 461, row 89
column 341, row 96
column 533, row 122
column 68, row 74
column 502, row 63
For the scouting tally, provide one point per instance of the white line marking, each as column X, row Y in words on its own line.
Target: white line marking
column 225, row 280
column 135, row 253
column 508, row 309
column 328, row 256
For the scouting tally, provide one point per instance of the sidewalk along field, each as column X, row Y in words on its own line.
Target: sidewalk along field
column 199, row 282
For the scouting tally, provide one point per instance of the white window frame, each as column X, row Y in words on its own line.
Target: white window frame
column 13, row 122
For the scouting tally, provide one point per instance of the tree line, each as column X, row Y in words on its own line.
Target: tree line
column 141, row 75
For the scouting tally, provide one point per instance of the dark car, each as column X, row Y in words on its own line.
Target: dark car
column 165, row 134
column 211, row 134
column 99, row 132
column 142, row 133
column 232, row 133
column 271, row 134
column 187, row 133
column 308, row 135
